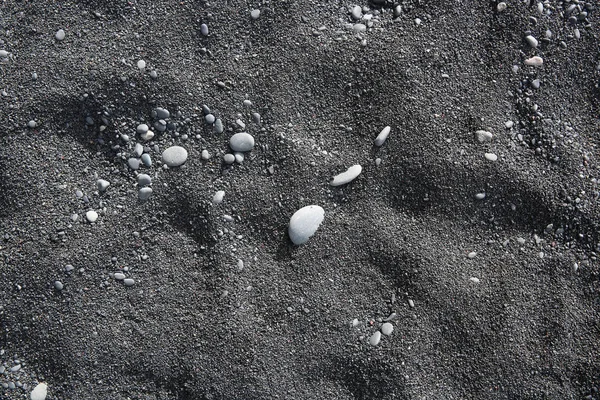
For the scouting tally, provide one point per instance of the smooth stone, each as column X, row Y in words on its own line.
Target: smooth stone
column 204, row 29
column 147, row 136
column 134, row 163
column 247, row 103
column 509, row 124
column 58, row 285
column 472, row 254
column 383, row 135
column 346, row 177
column 128, row 282
column 102, row 185
column 359, row 28
column 32, row 124
column 375, row 338
column 501, row 6
column 241, row 142
column 304, row 223
column 480, row 196
column 144, row 180
column 153, row 74
column 4, row 54
column 142, row 128
column 138, row 149
column 219, row 126
column 536, row 84
column 210, row 119
column 218, row 197
column 484, row 136
column 535, row 61
column 474, row 280
column 239, row 157
column 254, row 14
column 174, row 156
column 39, row 392
column 531, row 41
column 91, row 216
column 119, row 276
column 162, row 113
column 144, row 193
column 491, row 156
column 356, row 12
column 240, row 123
column 141, row 64
column 387, row 329
column 205, row 154
column 60, row 35
column 229, row 158
column 146, row 160
column 256, row 117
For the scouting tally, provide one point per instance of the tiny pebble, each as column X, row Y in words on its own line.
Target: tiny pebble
column 102, row 184
column 141, row 64
column 474, row 280
column 383, row 135
column 535, row 61
column 480, row 196
column 484, row 136
column 205, row 155
column 229, row 158
column 472, row 254
column 254, row 14
column 509, row 124
column 218, row 197
column 204, row 29
column 501, row 6
column 32, row 124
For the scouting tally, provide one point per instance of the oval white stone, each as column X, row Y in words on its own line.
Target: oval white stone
column 387, row 329
column 491, row 156
column 375, row 338
column 304, row 223
column 241, row 142
column 218, row 197
column 91, row 216
column 484, row 136
column 348, row 176
column 174, row 156
column 383, row 135
column 39, row 392
column 535, row 61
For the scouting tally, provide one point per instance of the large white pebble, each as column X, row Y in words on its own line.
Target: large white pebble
column 491, row 156
column 39, row 392
column 174, row 156
column 387, row 329
column 375, row 338
column 304, row 223
column 383, row 135
column 91, row 216
column 218, row 197
column 241, row 142
column 348, row 176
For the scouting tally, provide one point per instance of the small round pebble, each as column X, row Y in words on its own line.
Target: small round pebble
column 304, row 223
column 147, row 136
column 375, row 338
column 204, row 29
column 141, row 64
column 387, row 329
column 219, row 126
column 474, row 280
column 472, row 254
column 60, row 35
column 102, row 184
column 32, row 124
column 205, row 154
column 218, row 197
column 356, row 12
column 531, row 41
column 134, row 163
column 210, row 119
column 501, row 6
column 91, row 216
column 145, row 193
column 128, row 282
column 480, row 196
column 142, row 128
column 153, row 74
column 58, row 285
column 254, row 14
column 509, row 124
column 174, row 156
column 229, row 158
column 144, row 180
column 535, row 61
column 241, row 142
column 491, row 156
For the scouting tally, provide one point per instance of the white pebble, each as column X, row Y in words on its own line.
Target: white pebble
column 60, row 35
column 39, row 392
column 141, row 64
column 387, row 329
column 375, row 338
column 535, row 61
column 480, row 196
column 491, row 156
column 218, row 197
column 346, row 177
column 383, row 135
column 304, row 223
column 501, row 6
column 91, row 216
column 474, row 280
column 472, row 254
column 484, row 136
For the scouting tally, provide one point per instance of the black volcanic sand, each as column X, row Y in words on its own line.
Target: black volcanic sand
column 194, row 325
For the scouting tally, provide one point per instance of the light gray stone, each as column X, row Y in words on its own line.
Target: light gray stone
column 174, row 156
column 346, row 177
column 241, row 142
column 383, row 135
column 304, row 223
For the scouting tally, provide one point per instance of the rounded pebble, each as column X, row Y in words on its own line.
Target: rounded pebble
column 304, row 223
column 383, row 135
column 141, row 64
column 346, row 177
column 119, row 276
column 39, row 392
column 147, row 136
column 146, row 160
column 484, row 136
column 480, row 196
column 60, row 35
column 210, row 119
column 491, row 156
column 356, row 12
column 144, row 193
column 205, row 155
column 219, row 126
column 229, row 158
column 531, row 41
column 375, row 338
column 58, row 285
column 204, row 29
column 162, row 113
column 535, row 61
column 218, row 197
column 174, row 156
column 134, row 163
column 241, row 142
column 254, row 14
column 509, row 124
column 387, row 329
column 128, row 282
column 472, row 254
column 102, row 185
column 91, row 216
column 144, row 180
column 501, row 6
column 32, row 124
column 142, row 128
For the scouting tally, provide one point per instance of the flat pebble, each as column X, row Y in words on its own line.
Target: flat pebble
column 254, row 14
column 39, row 392
column 119, row 276
column 480, row 196
column 60, row 35
column 128, row 282
column 491, row 156
column 146, row 160
column 144, row 180
column 3, row 54
column 239, row 157
column 91, row 216
column 501, row 6
column 247, row 103
column 229, row 158
column 218, row 197
column 383, row 135
column 174, row 156
column 144, row 193
column 375, row 338
column 484, row 136
column 241, row 142
column 304, row 223
column 531, row 41
column 346, row 177
column 387, row 329
column 134, row 163
column 102, row 185
column 535, row 84
column 535, row 61
column 153, row 74
column 218, row 126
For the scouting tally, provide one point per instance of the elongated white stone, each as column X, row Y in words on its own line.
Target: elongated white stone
column 39, row 392
column 535, row 61
column 383, row 135
column 484, row 136
column 346, row 177
column 375, row 338
column 304, row 223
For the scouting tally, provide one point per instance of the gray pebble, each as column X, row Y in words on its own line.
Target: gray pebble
column 147, row 136
column 134, row 163
column 254, row 14
column 153, row 74
column 229, row 158
column 509, row 124
column 205, row 109
column 348, row 176
column 91, row 216
column 359, row 28
column 491, row 157
column 240, row 123
column 356, row 12
column 256, row 117
column 218, row 197
column 219, row 126
column 146, row 160
column 210, row 119
column 239, row 157
column 304, row 223
column 17, row 367
column 174, row 156
column 32, row 124
column 138, row 149
column 142, row 128
column 2, row 369
column 69, row 268
column 4, row 54
column 387, row 329
column 383, row 135
column 241, row 142
column 531, row 41
column 144, row 193
column 162, row 113
column 204, row 29
column 58, row 285
column 397, row 10
column 128, row 282
column 484, row 136
column 60, row 35
column 472, row 254
column 480, row 196
column 119, row 276
column 102, row 184
column 144, row 180
column 535, row 84
column 205, row 155
column 11, row 385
